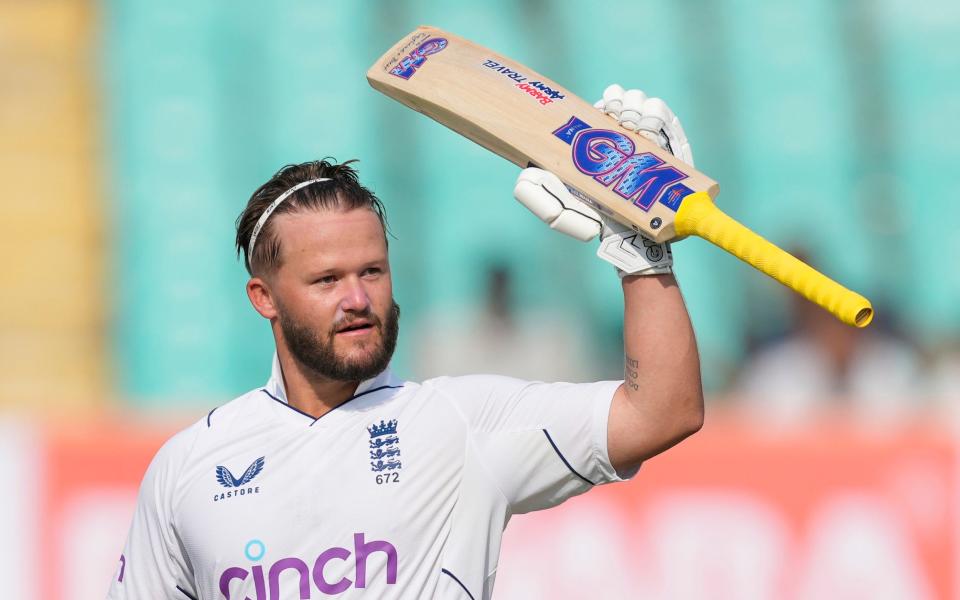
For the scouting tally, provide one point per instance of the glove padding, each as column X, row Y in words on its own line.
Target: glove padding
column 650, row 117
column 547, row 197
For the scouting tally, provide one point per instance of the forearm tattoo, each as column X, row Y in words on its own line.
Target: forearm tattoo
column 630, row 373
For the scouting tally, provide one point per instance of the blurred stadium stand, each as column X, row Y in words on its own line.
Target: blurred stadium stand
column 132, row 133
column 52, row 310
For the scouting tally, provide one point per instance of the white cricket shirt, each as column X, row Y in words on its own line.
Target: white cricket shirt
column 401, row 492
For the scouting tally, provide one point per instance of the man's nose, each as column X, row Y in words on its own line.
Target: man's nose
column 355, row 298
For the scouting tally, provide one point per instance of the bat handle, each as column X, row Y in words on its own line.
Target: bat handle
column 699, row 216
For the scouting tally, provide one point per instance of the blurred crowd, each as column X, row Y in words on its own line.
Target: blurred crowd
column 813, row 365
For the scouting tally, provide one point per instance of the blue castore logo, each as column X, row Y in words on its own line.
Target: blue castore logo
column 238, row 486
column 227, row 480
column 609, row 157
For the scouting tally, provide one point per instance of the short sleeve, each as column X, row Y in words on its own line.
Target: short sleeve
column 153, row 563
column 541, row 443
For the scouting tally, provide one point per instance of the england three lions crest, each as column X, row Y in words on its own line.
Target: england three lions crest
column 384, row 450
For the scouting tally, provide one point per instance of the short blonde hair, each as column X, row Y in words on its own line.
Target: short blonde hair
column 342, row 191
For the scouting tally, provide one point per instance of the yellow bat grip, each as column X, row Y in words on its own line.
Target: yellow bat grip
column 699, row 216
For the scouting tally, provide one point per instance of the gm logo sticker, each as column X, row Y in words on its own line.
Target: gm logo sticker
column 609, row 157
column 410, row 63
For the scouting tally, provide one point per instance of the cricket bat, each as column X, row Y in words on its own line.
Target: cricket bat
column 528, row 119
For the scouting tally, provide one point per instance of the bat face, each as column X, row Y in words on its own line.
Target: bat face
column 530, row 120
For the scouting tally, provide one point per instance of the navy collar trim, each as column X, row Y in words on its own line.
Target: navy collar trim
column 293, row 408
column 315, row 419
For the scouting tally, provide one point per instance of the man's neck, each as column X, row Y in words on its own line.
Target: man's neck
column 310, row 392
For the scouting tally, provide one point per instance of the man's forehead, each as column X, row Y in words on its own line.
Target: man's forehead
column 328, row 230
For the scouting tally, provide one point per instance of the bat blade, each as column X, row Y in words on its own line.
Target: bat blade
column 528, row 119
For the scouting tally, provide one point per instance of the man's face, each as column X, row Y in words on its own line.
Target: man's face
column 333, row 292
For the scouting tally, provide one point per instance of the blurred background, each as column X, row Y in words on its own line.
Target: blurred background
column 132, row 134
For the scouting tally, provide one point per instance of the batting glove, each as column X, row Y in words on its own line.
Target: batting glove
column 546, row 196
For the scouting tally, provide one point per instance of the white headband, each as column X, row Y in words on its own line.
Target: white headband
column 269, row 211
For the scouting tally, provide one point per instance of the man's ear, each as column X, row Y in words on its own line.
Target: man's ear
column 258, row 290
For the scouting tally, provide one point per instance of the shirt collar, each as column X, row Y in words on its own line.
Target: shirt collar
column 277, row 389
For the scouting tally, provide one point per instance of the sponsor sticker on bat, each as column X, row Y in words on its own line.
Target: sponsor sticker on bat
column 539, row 91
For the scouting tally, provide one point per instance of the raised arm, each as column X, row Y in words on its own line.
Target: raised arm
column 661, row 400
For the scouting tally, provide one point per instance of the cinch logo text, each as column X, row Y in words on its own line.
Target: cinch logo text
column 410, row 63
column 269, row 581
column 608, row 156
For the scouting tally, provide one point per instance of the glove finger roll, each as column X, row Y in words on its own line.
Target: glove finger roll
column 613, row 100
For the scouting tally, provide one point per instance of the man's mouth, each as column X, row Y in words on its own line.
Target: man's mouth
column 357, row 327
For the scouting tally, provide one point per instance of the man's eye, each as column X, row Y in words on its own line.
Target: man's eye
column 326, row 280
column 372, row 271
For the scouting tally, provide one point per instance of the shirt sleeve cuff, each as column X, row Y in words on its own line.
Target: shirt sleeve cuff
column 601, row 420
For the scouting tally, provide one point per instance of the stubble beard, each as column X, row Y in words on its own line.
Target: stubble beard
column 317, row 351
